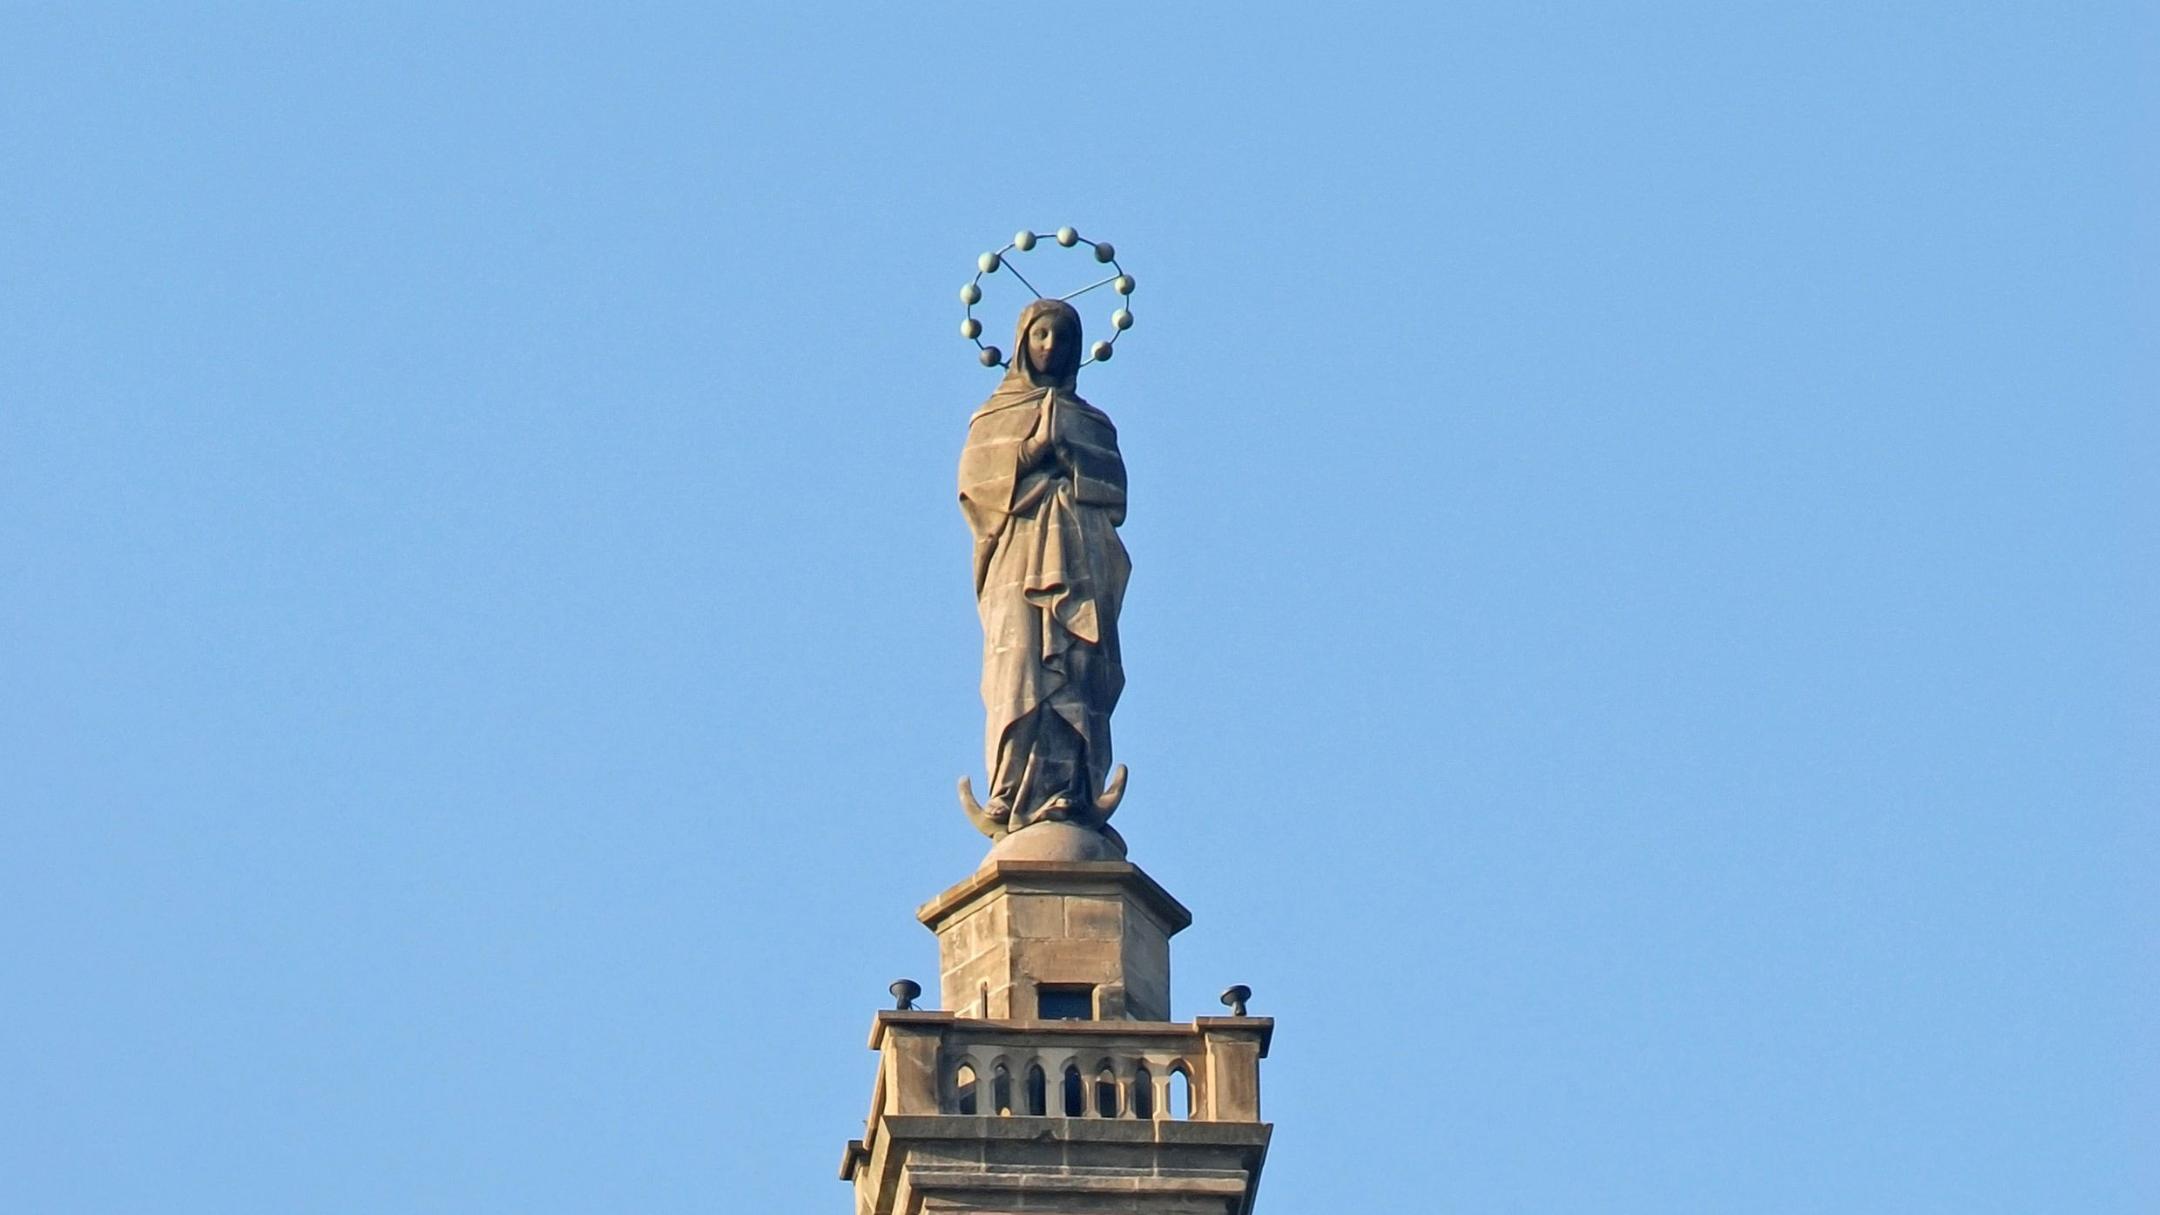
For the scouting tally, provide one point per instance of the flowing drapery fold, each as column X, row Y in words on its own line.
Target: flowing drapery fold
column 1050, row 574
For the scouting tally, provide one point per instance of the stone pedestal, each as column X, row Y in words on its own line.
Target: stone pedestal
column 1094, row 929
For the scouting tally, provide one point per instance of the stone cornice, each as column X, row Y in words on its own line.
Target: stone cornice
column 1057, row 876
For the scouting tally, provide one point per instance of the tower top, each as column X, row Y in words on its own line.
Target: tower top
column 1053, row 1079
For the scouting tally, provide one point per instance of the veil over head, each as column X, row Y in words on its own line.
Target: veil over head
column 1067, row 371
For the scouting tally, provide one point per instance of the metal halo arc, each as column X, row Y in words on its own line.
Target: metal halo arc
column 1027, row 239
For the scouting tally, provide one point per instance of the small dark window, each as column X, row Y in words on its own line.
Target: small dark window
column 1038, row 1091
column 1143, row 1094
column 1106, row 1092
column 1075, row 1093
column 1065, row 1003
column 1000, row 1090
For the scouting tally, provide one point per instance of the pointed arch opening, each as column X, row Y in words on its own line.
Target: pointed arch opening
column 1075, row 1092
column 1001, row 1094
column 1038, row 1091
column 964, row 1089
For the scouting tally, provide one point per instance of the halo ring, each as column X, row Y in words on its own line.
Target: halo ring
column 991, row 263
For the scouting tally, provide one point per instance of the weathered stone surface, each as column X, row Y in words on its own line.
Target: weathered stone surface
column 1094, row 919
column 1038, row 917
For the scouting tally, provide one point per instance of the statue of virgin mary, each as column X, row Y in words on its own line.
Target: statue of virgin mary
column 1043, row 489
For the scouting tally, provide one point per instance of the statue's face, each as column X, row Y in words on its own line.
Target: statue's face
column 1050, row 343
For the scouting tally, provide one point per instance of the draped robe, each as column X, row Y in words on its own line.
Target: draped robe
column 1050, row 576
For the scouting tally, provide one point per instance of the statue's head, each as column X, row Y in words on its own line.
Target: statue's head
column 1047, row 348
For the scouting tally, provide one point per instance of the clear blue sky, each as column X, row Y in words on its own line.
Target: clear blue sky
column 1641, row 645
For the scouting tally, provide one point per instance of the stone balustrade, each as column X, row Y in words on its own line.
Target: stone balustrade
column 941, row 1064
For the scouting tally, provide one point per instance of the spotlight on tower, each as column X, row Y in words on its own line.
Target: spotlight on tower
column 904, row 992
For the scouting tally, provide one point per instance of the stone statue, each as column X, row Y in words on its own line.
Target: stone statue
column 1043, row 488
